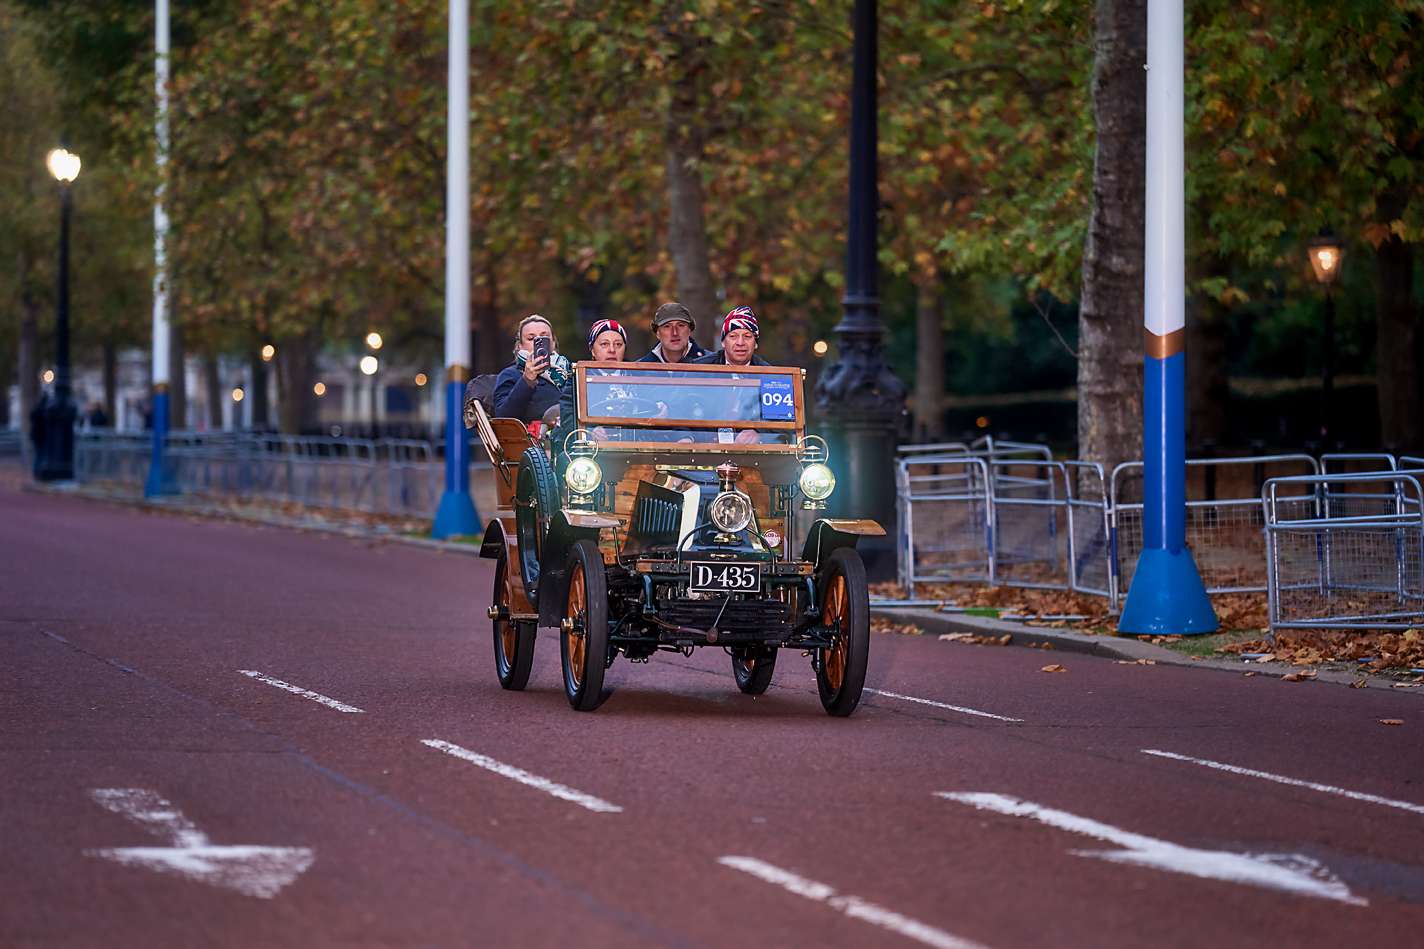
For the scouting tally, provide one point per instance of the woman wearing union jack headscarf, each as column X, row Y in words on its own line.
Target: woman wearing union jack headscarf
column 740, row 333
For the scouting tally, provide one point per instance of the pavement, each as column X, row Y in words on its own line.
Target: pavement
column 229, row 733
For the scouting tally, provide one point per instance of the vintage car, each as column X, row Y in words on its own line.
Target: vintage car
column 664, row 515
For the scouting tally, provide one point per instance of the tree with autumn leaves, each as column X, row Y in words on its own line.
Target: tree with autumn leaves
column 627, row 152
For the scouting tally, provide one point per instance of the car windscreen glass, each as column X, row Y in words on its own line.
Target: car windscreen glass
column 701, row 398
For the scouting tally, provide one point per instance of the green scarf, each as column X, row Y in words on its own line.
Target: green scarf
column 558, row 371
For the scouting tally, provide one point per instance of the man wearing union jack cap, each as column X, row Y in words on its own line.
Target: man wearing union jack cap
column 740, row 333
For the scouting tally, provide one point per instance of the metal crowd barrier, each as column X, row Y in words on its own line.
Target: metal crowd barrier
column 385, row 476
column 1224, row 519
column 1346, row 551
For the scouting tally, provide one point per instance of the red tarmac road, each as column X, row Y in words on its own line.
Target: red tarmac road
column 690, row 814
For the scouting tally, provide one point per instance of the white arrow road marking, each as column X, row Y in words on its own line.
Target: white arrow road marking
column 852, row 906
column 953, row 708
column 1293, row 873
column 298, row 690
column 254, row 871
column 1294, row 782
column 524, row 777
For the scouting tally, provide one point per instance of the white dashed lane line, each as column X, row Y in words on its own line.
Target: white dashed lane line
column 852, row 906
column 553, row 788
column 950, row 708
column 298, row 690
column 1282, row 779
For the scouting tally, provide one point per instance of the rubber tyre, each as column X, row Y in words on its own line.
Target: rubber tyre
column 513, row 639
column 753, row 667
column 536, row 499
column 845, row 597
column 584, row 652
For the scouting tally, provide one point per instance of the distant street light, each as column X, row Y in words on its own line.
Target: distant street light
column 268, row 352
column 374, row 341
column 48, row 376
column 421, row 379
column 1326, row 253
column 54, row 457
column 319, row 389
column 820, row 347
column 237, row 394
column 369, row 365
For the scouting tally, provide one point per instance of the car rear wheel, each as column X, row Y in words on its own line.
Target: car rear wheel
column 513, row 639
column 752, row 667
column 583, row 636
column 845, row 618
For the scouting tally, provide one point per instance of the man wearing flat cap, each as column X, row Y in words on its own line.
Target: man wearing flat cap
column 673, row 325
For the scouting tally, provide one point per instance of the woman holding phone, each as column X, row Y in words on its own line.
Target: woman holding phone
column 528, row 388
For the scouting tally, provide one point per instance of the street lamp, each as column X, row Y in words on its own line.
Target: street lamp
column 1325, row 254
column 54, row 457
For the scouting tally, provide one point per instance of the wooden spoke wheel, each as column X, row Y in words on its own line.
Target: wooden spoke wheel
column 752, row 667
column 513, row 639
column 583, row 637
column 845, row 619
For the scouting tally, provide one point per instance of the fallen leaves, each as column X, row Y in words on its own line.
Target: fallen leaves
column 879, row 624
column 1055, row 667
column 1299, row 676
column 1359, row 683
column 1248, row 674
column 1391, row 721
column 1139, row 662
column 977, row 640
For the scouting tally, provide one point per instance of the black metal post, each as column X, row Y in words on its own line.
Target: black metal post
column 859, row 397
column 1327, row 370
column 54, row 461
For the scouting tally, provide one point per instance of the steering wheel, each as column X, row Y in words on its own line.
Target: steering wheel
column 629, row 406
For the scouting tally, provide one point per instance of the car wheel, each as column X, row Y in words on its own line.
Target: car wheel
column 845, row 615
column 513, row 639
column 752, row 667
column 536, row 498
column 583, row 636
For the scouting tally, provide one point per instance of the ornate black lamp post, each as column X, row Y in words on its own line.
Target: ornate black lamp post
column 860, row 397
column 54, row 458
column 1325, row 256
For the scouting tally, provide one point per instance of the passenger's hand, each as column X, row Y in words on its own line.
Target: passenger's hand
column 533, row 367
column 747, row 436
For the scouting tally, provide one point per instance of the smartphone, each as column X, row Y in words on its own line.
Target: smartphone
column 541, row 347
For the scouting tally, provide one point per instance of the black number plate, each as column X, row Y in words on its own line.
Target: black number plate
column 725, row 578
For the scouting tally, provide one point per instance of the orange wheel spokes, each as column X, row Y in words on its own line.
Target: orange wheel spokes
column 576, row 608
column 508, row 635
column 833, row 660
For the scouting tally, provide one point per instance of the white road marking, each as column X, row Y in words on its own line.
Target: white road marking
column 524, row 777
column 952, row 708
column 298, row 690
column 852, row 906
column 1293, row 873
column 254, row 871
column 1294, row 782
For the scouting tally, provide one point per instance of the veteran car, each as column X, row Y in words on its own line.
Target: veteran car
column 675, row 510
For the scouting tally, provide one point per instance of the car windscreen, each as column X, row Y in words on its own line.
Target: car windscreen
column 695, row 399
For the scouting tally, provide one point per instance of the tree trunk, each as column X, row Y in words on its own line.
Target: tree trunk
column 212, row 381
column 110, row 351
column 928, row 401
column 1208, row 379
column 1110, row 324
column 296, row 364
column 687, row 225
column 1397, row 374
column 489, row 346
column 261, row 415
column 177, row 379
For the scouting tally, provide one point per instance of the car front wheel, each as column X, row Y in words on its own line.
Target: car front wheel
column 845, row 619
column 583, row 636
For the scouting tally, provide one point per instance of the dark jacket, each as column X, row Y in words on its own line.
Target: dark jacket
column 514, row 399
column 720, row 358
column 694, row 352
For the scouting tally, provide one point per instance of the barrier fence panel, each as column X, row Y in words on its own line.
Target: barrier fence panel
column 1031, row 536
column 1224, row 519
column 947, row 520
column 1332, row 569
column 1089, row 539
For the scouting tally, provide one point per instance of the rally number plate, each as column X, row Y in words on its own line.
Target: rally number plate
column 725, row 578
